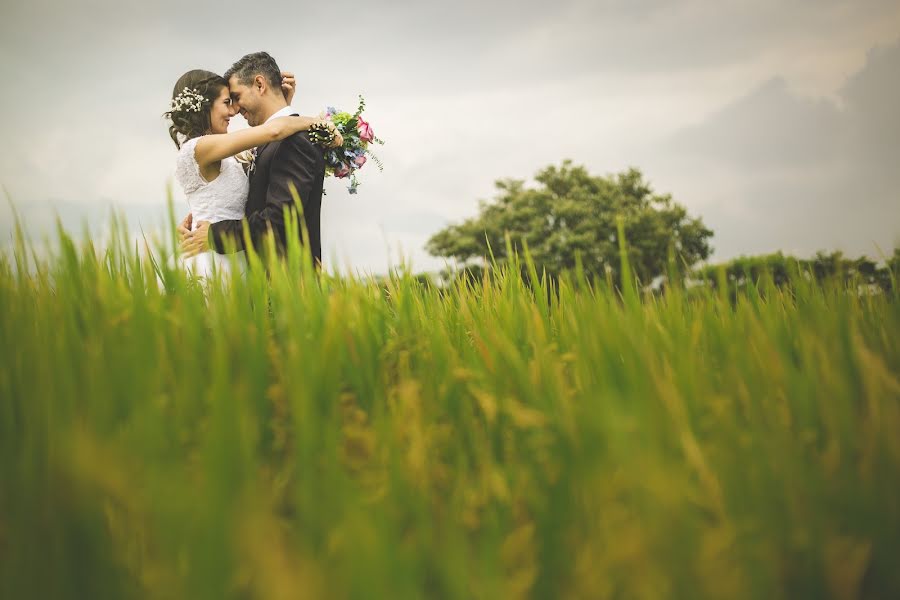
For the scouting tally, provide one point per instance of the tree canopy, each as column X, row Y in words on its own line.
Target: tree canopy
column 571, row 212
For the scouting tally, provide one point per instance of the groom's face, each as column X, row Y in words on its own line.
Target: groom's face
column 245, row 99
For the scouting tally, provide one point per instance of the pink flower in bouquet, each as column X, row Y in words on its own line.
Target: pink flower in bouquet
column 365, row 130
column 360, row 160
column 342, row 171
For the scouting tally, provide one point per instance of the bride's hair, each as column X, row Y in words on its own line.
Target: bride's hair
column 192, row 98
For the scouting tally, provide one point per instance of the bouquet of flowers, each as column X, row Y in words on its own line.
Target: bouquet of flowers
column 346, row 160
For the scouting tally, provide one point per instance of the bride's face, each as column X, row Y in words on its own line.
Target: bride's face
column 220, row 112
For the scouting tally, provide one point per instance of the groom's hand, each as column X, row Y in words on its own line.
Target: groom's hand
column 185, row 228
column 195, row 242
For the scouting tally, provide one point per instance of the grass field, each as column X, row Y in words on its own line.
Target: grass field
column 331, row 437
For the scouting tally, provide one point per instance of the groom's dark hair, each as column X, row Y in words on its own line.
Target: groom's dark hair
column 251, row 65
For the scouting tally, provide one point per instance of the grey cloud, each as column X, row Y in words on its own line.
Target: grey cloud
column 871, row 98
column 769, row 128
column 808, row 173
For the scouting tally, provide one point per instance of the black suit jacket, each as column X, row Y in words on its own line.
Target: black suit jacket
column 294, row 159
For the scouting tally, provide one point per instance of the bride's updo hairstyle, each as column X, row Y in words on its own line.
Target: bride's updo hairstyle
column 194, row 94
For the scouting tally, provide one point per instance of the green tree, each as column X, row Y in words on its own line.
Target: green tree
column 571, row 212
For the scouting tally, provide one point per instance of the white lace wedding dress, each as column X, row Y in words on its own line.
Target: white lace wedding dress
column 221, row 199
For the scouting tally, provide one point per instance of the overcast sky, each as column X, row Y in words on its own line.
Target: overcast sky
column 776, row 122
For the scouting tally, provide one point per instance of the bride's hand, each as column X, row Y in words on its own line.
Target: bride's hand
column 184, row 229
column 288, row 85
column 197, row 241
column 338, row 140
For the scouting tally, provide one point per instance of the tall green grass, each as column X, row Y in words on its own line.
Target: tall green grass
column 302, row 435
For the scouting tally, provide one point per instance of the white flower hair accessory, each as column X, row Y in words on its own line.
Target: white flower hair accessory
column 188, row 100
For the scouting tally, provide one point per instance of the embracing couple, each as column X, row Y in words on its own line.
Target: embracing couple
column 227, row 186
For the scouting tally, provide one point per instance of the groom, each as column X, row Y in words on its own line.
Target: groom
column 255, row 86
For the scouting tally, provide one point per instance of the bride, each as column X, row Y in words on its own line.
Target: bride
column 214, row 182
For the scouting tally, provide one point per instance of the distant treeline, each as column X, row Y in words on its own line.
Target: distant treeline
column 822, row 267
column 778, row 268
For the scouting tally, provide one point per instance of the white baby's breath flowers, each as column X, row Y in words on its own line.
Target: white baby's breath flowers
column 188, row 100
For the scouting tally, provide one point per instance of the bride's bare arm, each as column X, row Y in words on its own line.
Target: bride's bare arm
column 213, row 148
